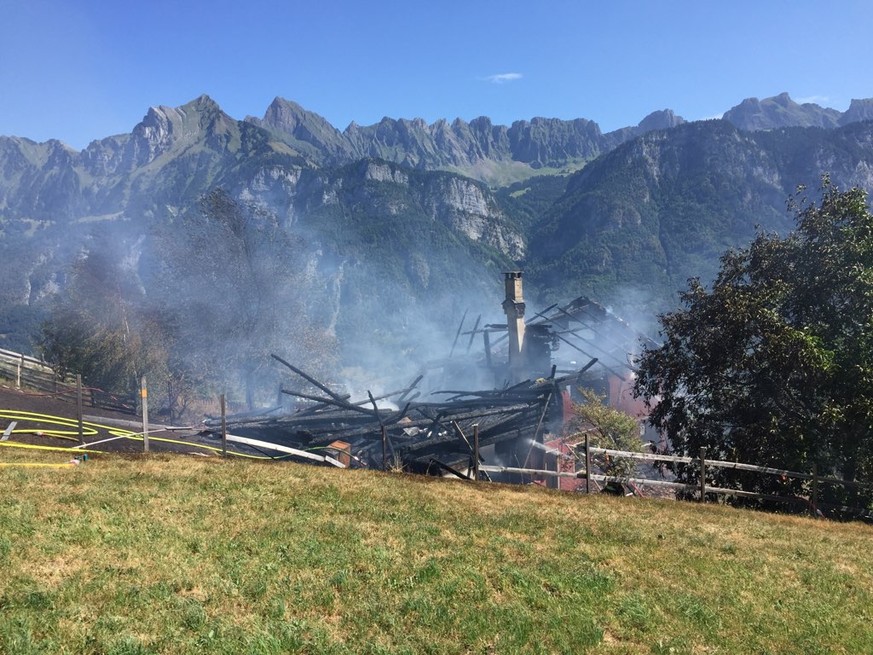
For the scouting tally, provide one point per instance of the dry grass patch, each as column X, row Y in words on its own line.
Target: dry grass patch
column 189, row 555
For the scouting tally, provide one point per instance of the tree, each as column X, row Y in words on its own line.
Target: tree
column 101, row 328
column 774, row 364
column 224, row 291
column 235, row 278
column 606, row 428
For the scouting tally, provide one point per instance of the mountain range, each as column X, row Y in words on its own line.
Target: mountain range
column 415, row 221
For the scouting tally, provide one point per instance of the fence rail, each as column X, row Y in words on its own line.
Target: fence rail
column 715, row 463
column 701, row 489
column 26, row 372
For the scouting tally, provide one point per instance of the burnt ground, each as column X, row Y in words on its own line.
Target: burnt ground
column 15, row 403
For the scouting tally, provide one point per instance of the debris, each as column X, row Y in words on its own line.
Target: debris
column 419, row 433
column 425, row 436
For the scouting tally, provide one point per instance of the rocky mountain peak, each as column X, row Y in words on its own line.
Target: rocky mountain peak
column 283, row 115
column 660, row 120
column 305, row 131
column 155, row 134
column 203, row 113
column 166, row 128
column 859, row 110
column 203, row 103
column 779, row 111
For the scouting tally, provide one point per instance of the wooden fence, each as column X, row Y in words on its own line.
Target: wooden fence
column 700, row 490
column 28, row 372
column 25, row 372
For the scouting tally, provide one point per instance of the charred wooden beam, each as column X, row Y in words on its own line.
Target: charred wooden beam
column 473, row 333
column 458, row 334
column 308, row 378
column 409, row 389
column 328, row 401
column 449, row 469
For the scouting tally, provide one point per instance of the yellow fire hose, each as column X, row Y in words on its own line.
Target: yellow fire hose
column 90, row 429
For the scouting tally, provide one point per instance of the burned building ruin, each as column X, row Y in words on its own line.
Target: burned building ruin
column 533, row 366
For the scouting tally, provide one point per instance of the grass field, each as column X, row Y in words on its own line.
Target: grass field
column 194, row 555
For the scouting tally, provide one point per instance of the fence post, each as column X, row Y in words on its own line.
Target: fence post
column 79, row 407
column 18, row 366
column 475, row 451
column 702, row 474
column 815, row 489
column 587, row 464
column 223, row 402
column 384, row 448
column 144, row 394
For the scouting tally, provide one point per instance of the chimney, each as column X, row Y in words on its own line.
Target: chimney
column 513, row 307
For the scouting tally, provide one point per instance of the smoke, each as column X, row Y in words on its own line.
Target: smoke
column 362, row 301
column 638, row 308
column 546, row 449
column 250, row 280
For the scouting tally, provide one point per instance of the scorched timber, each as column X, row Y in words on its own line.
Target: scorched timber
column 418, row 432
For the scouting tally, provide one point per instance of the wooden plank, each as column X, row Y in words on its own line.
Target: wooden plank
column 8, row 431
column 25, row 360
column 722, row 464
column 458, row 334
column 257, row 443
column 693, row 487
column 223, row 402
column 409, row 389
column 523, row 471
column 144, row 391
column 486, row 338
column 587, row 462
column 475, row 451
column 473, row 333
column 641, row 456
column 311, row 380
column 337, row 401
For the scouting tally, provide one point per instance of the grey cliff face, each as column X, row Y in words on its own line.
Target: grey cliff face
column 780, row 111
column 664, row 119
column 154, row 135
column 458, row 145
column 859, row 110
column 308, row 131
column 468, row 208
column 412, row 191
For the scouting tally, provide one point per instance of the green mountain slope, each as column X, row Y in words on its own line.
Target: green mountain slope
column 368, row 227
column 662, row 208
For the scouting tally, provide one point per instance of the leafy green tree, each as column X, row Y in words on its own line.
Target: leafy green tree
column 606, row 428
column 774, row 364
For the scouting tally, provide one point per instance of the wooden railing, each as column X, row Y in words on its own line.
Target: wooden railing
column 700, row 490
column 26, row 372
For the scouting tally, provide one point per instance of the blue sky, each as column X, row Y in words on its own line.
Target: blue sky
column 79, row 70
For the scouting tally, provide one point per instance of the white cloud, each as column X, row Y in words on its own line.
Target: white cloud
column 819, row 100
column 503, row 78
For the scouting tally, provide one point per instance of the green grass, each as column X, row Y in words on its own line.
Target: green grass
column 185, row 555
